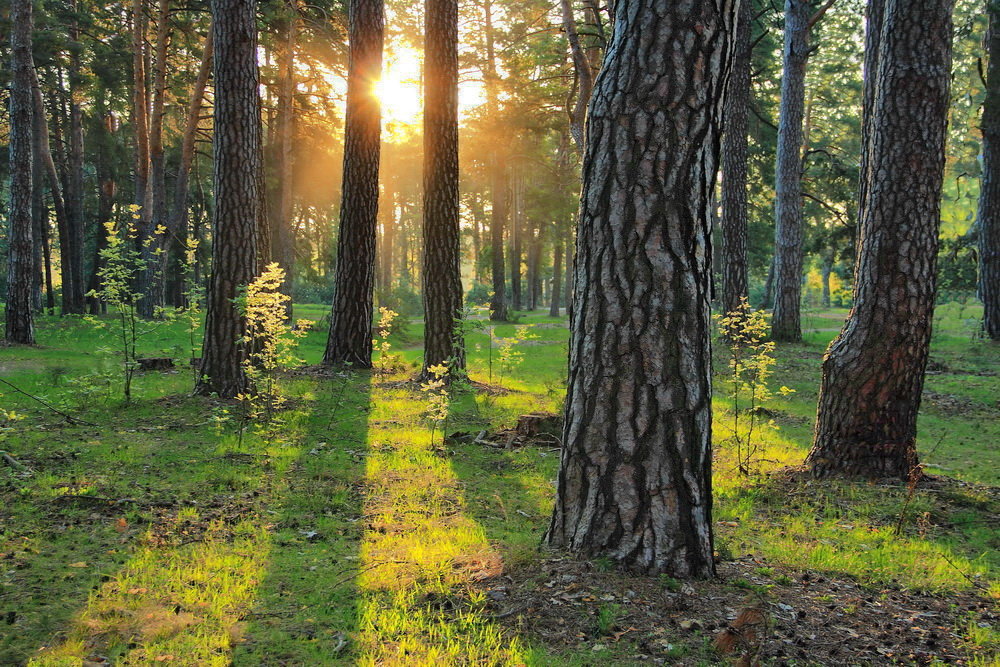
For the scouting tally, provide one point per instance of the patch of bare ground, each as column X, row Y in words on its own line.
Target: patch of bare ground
column 563, row 603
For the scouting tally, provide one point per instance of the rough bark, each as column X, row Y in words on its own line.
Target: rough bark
column 236, row 218
column 350, row 339
column 19, row 324
column 635, row 481
column 873, row 374
column 733, row 222
column 584, row 74
column 989, row 193
column 786, row 323
column 441, row 269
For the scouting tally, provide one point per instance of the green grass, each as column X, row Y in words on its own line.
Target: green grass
column 347, row 536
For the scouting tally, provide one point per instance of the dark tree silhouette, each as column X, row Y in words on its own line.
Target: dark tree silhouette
column 989, row 193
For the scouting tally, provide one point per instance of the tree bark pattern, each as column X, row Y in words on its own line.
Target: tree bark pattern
column 989, row 192
column 441, row 275
column 19, row 324
column 350, row 339
column 236, row 217
column 635, row 477
column 873, row 373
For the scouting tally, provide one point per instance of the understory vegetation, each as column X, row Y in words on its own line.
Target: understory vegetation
column 350, row 532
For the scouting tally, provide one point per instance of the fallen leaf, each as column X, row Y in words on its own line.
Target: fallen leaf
column 79, row 564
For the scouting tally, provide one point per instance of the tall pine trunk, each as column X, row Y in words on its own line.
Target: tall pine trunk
column 873, row 373
column 441, row 268
column 499, row 181
column 734, row 169
column 635, row 478
column 19, row 325
column 989, row 193
column 236, row 220
column 350, row 339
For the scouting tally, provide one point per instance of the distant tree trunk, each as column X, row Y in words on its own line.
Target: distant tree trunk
column 74, row 175
column 788, row 233
column 635, row 480
column 516, row 230
column 499, row 183
column 557, row 252
column 350, row 339
column 826, row 269
column 282, row 229
column 873, row 374
column 441, row 269
column 140, row 119
column 236, row 220
column 19, row 319
column 39, row 218
column 584, row 74
column 388, row 241
column 105, row 209
column 989, row 193
column 733, row 221
column 534, row 272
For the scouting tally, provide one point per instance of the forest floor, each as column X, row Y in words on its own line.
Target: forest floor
column 350, row 532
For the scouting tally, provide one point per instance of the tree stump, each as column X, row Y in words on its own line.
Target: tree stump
column 535, row 424
column 155, row 363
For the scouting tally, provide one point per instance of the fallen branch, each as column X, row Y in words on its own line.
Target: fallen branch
column 11, row 461
column 69, row 418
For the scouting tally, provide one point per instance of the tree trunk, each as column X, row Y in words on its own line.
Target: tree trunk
column 557, row 252
column 989, row 193
column 388, row 242
column 236, row 219
column 788, row 233
column 140, row 119
column 873, row 374
column 635, row 481
column 19, row 318
column 733, row 221
column 499, row 183
column 584, row 74
column 441, row 271
column 516, row 230
column 350, row 339
column 826, row 269
column 282, row 228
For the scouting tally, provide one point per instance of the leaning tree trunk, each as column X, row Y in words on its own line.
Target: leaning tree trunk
column 235, row 223
column 635, row 481
column 584, row 74
column 734, row 169
column 19, row 318
column 350, row 339
column 441, row 272
column 788, row 234
column 989, row 193
column 873, row 374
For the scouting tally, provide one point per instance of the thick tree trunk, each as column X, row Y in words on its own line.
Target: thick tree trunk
column 236, row 219
column 989, row 193
column 788, row 233
column 635, row 481
column 873, row 374
column 19, row 325
column 584, row 74
column 441, row 270
column 733, row 221
column 350, row 339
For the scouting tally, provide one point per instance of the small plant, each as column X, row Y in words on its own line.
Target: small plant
column 669, row 583
column 751, row 358
column 509, row 354
column 607, row 618
column 270, row 342
column 194, row 295
column 387, row 361
column 436, row 392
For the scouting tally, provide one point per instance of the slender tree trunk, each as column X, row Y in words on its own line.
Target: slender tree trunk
column 788, row 233
column 499, row 184
column 534, row 269
column 350, row 339
column 388, row 242
column 826, row 269
column 39, row 215
column 236, row 219
column 873, row 374
column 557, row 252
column 989, row 193
column 105, row 210
column 733, row 221
column 584, row 74
column 516, row 230
column 19, row 316
column 441, row 269
column 140, row 113
column 635, row 481
column 282, row 229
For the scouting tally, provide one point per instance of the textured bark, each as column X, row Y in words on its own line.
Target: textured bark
column 441, row 270
column 786, row 323
column 19, row 325
column 635, row 481
column 350, row 339
column 584, row 74
column 873, row 374
column 733, row 223
column 236, row 218
column 989, row 193
column 873, row 32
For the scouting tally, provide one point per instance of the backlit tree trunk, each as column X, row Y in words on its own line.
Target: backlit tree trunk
column 989, row 193
column 237, row 215
column 19, row 318
column 499, row 183
column 350, row 339
column 441, row 272
column 873, row 374
column 635, row 480
column 734, row 169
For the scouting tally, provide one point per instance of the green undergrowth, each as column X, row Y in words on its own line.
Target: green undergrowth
column 347, row 535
